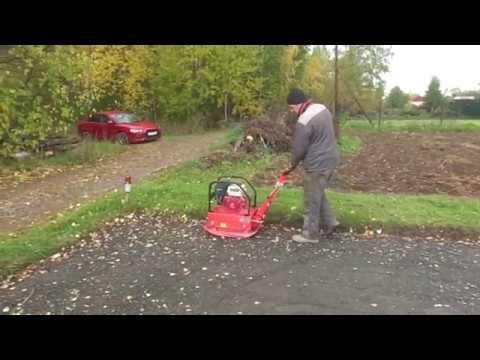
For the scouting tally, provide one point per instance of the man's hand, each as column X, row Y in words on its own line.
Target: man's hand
column 287, row 171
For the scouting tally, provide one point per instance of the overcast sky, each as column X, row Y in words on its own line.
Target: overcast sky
column 412, row 67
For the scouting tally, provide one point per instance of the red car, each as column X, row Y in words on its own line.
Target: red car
column 122, row 127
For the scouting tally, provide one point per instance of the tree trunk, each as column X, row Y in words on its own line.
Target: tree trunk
column 154, row 109
column 226, row 107
column 442, row 114
column 336, row 115
column 361, row 108
column 380, row 113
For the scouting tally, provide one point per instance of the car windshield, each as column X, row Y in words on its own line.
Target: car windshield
column 126, row 118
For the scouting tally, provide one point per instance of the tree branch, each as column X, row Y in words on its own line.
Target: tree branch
column 352, row 93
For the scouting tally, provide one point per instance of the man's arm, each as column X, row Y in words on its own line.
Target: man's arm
column 300, row 147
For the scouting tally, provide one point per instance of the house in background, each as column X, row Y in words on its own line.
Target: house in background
column 416, row 101
column 462, row 98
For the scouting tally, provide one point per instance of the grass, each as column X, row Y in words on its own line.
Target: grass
column 417, row 125
column 357, row 210
column 87, row 152
column 231, row 136
column 234, row 134
column 349, row 144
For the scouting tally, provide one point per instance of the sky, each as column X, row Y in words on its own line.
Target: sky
column 412, row 67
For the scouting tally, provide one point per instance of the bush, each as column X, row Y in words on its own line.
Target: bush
column 234, row 135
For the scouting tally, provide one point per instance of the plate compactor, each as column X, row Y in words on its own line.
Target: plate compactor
column 232, row 207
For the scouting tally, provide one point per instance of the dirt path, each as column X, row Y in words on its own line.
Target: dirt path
column 155, row 265
column 36, row 200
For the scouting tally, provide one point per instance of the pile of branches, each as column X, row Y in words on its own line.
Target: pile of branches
column 58, row 143
column 265, row 133
column 48, row 147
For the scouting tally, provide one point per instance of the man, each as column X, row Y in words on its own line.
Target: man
column 315, row 145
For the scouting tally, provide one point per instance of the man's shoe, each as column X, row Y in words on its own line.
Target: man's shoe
column 330, row 229
column 303, row 238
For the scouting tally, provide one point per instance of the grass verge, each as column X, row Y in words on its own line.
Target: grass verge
column 427, row 125
column 87, row 152
column 349, row 144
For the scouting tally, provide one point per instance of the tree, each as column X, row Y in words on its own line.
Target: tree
column 348, row 77
column 317, row 81
column 434, row 96
column 45, row 89
column 397, row 99
column 379, row 94
column 44, row 94
column 275, row 85
column 293, row 64
column 207, row 82
column 360, row 69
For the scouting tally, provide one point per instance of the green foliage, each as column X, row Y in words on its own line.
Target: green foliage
column 43, row 98
column 235, row 79
column 360, row 68
column 434, row 97
column 234, row 134
column 318, row 76
column 217, row 81
column 350, row 144
column 46, row 89
column 397, row 99
column 275, row 86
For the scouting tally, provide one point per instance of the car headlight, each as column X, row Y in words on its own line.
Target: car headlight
column 136, row 131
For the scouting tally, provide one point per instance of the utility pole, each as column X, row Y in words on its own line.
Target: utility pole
column 336, row 115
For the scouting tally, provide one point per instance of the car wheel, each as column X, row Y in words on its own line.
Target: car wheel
column 122, row 139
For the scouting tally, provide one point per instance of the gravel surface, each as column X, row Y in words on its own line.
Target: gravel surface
column 143, row 264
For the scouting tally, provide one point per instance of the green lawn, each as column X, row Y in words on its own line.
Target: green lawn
column 350, row 144
column 417, row 125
